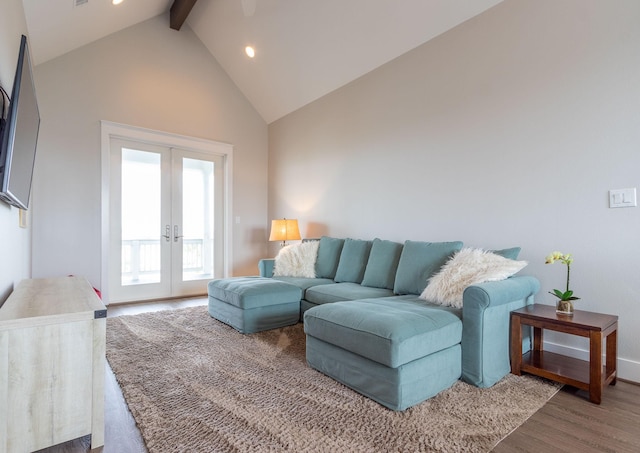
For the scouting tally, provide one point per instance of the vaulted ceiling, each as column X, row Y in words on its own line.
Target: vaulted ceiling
column 304, row 48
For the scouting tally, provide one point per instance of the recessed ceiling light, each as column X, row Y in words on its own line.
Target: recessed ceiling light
column 116, row 2
column 250, row 51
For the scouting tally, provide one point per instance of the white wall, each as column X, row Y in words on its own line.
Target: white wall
column 507, row 130
column 147, row 76
column 15, row 247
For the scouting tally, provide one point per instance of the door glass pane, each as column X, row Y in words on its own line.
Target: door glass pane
column 197, row 219
column 140, row 217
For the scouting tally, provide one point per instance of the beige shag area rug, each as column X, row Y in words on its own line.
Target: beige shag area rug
column 194, row 384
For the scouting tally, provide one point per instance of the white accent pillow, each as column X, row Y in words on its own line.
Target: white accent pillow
column 297, row 260
column 467, row 267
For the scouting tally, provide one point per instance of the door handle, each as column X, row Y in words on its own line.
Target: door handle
column 167, row 233
column 175, row 233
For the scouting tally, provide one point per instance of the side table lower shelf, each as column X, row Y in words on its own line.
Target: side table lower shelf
column 561, row 368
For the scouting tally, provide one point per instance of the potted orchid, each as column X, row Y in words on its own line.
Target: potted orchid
column 566, row 298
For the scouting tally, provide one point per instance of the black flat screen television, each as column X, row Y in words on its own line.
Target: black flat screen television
column 19, row 136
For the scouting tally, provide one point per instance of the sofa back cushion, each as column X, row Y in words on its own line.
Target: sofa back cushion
column 511, row 253
column 328, row 256
column 419, row 261
column 353, row 261
column 382, row 265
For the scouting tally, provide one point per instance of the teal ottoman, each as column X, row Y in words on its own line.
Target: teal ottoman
column 253, row 304
column 395, row 351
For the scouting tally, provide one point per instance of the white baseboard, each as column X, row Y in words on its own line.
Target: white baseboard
column 628, row 370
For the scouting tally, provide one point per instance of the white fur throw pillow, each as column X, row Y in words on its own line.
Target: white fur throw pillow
column 467, row 267
column 297, row 260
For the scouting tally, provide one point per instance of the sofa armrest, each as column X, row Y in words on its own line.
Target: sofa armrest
column 486, row 327
column 266, row 267
column 492, row 294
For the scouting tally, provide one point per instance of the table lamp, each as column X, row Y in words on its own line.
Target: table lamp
column 284, row 230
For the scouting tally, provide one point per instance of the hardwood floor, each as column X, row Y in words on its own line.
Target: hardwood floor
column 567, row 423
column 570, row 423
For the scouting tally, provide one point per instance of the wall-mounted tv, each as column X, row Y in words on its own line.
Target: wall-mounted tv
column 19, row 135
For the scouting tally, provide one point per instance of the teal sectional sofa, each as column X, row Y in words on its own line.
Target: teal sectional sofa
column 368, row 328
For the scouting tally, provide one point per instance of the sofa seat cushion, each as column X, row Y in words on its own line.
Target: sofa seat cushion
column 337, row 292
column 253, row 292
column 391, row 331
column 304, row 283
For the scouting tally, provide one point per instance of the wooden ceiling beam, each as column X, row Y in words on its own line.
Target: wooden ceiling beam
column 179, row 12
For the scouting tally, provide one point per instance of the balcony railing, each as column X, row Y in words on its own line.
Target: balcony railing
column 141, row 259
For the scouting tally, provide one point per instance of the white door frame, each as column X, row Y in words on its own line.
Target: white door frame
column 114, row 130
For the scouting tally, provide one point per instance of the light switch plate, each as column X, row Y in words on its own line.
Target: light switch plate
column 623, row 198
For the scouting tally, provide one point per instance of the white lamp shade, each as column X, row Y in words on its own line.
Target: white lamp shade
column 284, row 230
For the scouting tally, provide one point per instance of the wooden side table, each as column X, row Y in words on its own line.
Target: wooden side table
column 586, row 375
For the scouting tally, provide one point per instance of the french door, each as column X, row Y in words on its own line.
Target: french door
column 166, row 215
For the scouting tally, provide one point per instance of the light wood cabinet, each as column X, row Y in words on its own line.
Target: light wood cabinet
column 52, row 364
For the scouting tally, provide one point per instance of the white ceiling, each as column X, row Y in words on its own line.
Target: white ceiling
column 57, row 26
column 304, row 48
